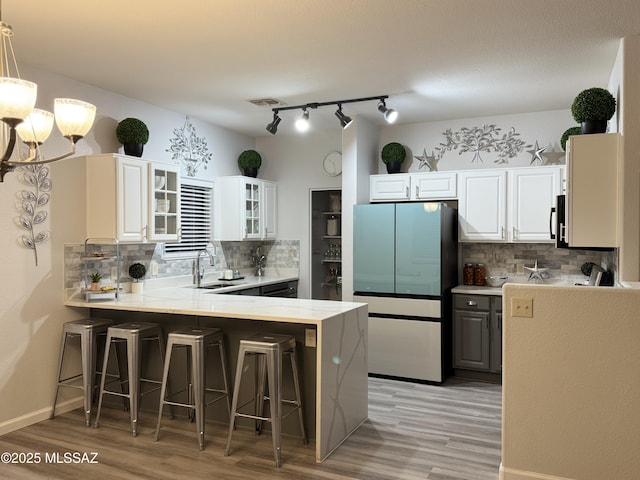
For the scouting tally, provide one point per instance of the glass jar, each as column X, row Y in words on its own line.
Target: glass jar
column 332, row 226
column 467, row 274
column 479, row 275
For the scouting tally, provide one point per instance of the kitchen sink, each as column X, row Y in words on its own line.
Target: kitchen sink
column 214, row 286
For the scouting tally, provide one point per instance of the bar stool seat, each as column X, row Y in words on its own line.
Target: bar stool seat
column 131, row 335
column 269, row 350
column 197, row 342
column 88, row 329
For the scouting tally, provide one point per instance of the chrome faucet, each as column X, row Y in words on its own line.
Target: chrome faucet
column 198, row 273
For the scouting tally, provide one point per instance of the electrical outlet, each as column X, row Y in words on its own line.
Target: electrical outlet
column 154, row 268
column 520, row 269
column 522, row 307
column 309, row 337
column 114, row 273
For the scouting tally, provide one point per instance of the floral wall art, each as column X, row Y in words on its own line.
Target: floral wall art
column 189, row 149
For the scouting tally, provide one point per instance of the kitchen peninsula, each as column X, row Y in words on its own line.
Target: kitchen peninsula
column 333, row 334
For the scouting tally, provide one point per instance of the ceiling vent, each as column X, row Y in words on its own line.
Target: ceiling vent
column 267, row 102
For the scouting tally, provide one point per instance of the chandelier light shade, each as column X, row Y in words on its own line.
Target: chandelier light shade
column 18, row 97
column 303, row 124
column 74, row 118
column 36, row 128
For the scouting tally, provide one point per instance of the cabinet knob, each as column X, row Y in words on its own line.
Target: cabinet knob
column 417, row 192
column 472, row 303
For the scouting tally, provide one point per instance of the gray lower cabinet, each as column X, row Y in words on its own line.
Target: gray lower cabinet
column 477, row 333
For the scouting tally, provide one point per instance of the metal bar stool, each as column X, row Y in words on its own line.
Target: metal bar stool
column 88, row 330
column 269, row 350
column 197, row 342
column 130, row 335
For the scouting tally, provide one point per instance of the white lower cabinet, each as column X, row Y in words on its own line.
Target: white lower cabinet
column 413, row 186
column 122, row 199
column 513, row 205
column 244, row 209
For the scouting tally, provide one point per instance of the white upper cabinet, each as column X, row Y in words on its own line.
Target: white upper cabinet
column 399, row 187
column 532, row 193
column 499, row 205
column 244, row 209
column 390, row 187
column 125, row 202
column 482, row 205
column 592, row 192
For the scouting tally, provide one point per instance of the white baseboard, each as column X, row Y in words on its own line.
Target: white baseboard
column 39, row 415
column 507, row 473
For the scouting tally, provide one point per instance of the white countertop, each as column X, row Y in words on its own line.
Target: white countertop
column 187, row 300
column 473, row 290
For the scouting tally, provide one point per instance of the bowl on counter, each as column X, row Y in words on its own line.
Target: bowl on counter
column 496, row 281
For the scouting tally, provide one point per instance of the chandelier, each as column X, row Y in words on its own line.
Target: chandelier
column 74, row 118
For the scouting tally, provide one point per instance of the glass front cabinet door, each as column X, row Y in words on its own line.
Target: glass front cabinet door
column 164, row 202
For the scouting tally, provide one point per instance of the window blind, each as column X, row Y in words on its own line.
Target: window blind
column 195, row 221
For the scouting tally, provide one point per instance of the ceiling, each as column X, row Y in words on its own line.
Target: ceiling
column 436, row 59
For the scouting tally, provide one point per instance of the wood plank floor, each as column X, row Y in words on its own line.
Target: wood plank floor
column 413, row 432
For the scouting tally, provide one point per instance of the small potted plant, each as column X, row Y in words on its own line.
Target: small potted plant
column 249, row 162
column 592, row 108
column 95, row 281
column 393, row 154
column 132, row 134
column 137, row 271
column 567, row 133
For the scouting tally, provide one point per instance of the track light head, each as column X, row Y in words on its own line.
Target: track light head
column 345, row 120
column 272, row 128
column 390, row 115
column 302, row 124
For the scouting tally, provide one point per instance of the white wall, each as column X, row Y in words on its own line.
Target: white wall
column 295, row 162
column 32, row 310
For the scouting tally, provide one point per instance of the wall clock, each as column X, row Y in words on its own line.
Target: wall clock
column 332, row 164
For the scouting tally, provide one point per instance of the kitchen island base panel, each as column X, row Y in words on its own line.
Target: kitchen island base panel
column 334, row 378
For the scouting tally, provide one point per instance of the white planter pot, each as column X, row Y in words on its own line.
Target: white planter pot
column 136, row 287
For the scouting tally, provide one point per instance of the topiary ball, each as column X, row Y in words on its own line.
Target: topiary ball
column 393, row 152
column 137, row 271
column 132, row 130
column 249, row 159
column 593, row 104
column 567, row 133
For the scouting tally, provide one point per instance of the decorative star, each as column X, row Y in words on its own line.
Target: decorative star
column 553, row 158
column 429, row 160
column 537, row 273
column 536, row 157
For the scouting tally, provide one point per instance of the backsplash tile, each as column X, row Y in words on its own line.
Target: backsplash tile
column 503, row 258
column 279, row 253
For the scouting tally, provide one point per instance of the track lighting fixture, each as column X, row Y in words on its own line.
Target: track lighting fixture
column 302, row 124
column 272, row 128
column 345, row 120
column 390, row 115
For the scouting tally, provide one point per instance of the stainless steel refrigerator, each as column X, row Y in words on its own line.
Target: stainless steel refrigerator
column 405, row 264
